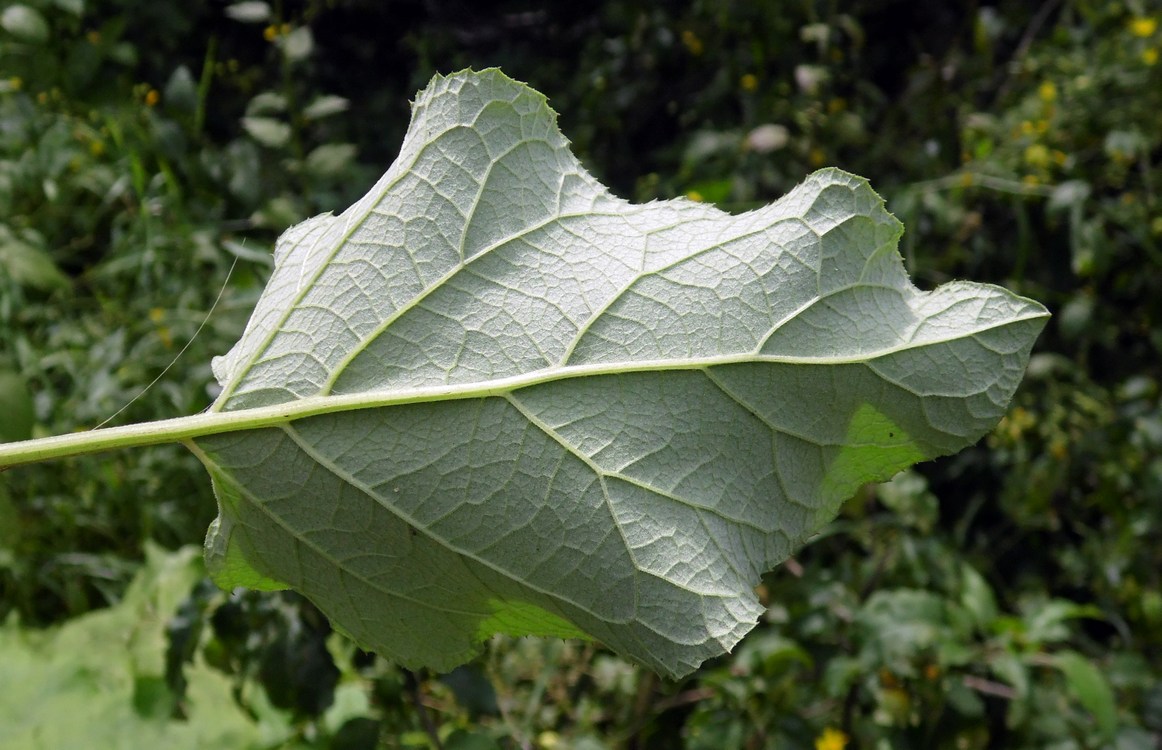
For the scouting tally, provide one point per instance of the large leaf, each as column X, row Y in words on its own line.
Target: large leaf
column 491, row 397
column 539, row 409
column 98, row 680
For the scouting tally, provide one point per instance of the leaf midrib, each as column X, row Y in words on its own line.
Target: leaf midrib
column 187, row 429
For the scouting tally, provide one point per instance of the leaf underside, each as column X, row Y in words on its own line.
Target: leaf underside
column 567, row 415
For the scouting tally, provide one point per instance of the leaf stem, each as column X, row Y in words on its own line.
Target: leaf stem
column 182, row 429
column 98, row 440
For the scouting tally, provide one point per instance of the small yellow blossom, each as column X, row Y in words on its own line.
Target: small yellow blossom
column 1150, row 55
column 1015, row 423
column 817, row 157
column 831, row 739
column 1143, row 26
column 157, row 315
column 695, row 196
column 1031, row 180
column 1059, row 158
column 1037, row 155
column 749, row 82
column 270, row 33
column 96, row 148
column 1047, row 91
column 15, row 83
column 692, row 42
column 152, row 98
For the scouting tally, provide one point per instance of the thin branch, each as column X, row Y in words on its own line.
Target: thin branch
column 989, row 687
column 413, row 685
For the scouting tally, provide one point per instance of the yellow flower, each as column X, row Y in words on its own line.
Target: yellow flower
column 152, row 98
column 831, row 739
column 1037, row 155
column 1143, row 26
column 692, row 42
column 749, row 82
column 695, row 196
column 1150, row 55
column 15, row 83
column 1047, row 91
column 270, row 33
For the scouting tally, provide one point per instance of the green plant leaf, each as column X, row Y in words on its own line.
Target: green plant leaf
column 24, row 23
column 16, row 406
column 249, row 11
column 267, row 131
column 24, row 259
column 1091, row 688
column 557, row 413
column 490, row 397
column 97, row 681
column 325, row 106
column 330, row 159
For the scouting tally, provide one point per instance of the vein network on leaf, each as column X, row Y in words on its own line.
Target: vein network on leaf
column 490, row 397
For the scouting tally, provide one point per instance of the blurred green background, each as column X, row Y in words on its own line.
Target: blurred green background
column 1009, row 596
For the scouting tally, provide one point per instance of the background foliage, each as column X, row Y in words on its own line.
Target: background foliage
column 1006, row 597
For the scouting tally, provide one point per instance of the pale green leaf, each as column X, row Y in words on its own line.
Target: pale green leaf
column 24, row 23
column 502, row 400
column 330, row 159
column 80, row 685
column 298, row 44
column 249, row 11
column 325, row 106
column 76, row 7
column 267, row 130
column 266, row 103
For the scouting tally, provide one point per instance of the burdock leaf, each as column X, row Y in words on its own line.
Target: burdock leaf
column 491, row 397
